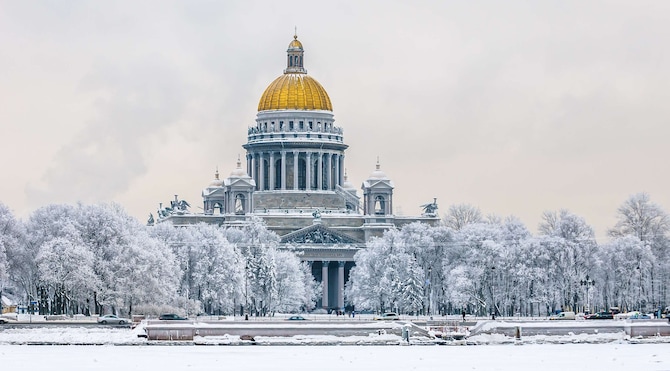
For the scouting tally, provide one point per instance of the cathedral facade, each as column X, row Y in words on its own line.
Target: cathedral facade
column 295, row 180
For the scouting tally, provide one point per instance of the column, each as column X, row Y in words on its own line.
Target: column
column 283, row 170
column 308, row 171
column 252, row 171
column 341, row 162
column 295, row 171
column 324, row 283
column 272, row 176
column 337, row 172
column 328, row 174
column 249, row 165
column 319, row 172
column 340, row 286
column 261, row 172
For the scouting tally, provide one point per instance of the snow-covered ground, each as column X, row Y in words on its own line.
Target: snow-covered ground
column 573, row 333
column 610, row 357
column 103, row 348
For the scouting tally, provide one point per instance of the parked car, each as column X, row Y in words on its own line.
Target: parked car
column 171, row 317
column 389, row 316
column 601, row 315
column 112, row 320
column 639, row 315
column 296, row 318
column 563, row 315
column 626, row 315
column 3, row 321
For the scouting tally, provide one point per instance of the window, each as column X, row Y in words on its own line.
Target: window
column 239, row 204
column 380, row 208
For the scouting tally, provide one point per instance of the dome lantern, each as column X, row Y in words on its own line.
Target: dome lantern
column 294, row 58
column 295, row 90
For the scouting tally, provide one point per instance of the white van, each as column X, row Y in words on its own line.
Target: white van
column 563, row 315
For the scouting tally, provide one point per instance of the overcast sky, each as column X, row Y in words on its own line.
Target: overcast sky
column 515, row 107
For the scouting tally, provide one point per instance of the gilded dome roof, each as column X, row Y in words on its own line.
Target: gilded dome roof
column 295, row 44
column 295, row 91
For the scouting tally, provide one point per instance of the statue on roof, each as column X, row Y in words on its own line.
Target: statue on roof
column 150, row 221
column 430, row 209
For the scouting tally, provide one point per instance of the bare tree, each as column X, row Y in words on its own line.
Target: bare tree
column 460, row 215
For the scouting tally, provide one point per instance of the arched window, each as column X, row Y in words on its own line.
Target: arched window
column 239, row 204
column 380, row 205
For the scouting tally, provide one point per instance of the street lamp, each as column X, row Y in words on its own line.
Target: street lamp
column 587, row 283
column 639, row 289
column 493, row 291
column 246, row 290
column 430, row 289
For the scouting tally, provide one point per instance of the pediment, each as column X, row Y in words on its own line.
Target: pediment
column 318, row 234
column 212, row 192
column 378, row 184
column 240, row 182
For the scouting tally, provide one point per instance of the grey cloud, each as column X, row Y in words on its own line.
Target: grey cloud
column 132, row 104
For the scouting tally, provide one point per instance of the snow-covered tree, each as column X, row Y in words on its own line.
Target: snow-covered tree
column 65, row 269
column 648, row 222
column 625, row 273
column 11, row 241
column 295, row 284
column 215, row 271
column 131, row 267
column 257, row 245
column 574, row 257
column 43, row 225
column 388, row 275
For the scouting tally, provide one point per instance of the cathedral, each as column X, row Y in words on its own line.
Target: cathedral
column 295, row 180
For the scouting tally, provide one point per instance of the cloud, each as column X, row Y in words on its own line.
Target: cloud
column 134, row 103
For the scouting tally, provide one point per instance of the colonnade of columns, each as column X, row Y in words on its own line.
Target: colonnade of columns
column 296, row 170
column 339, row 287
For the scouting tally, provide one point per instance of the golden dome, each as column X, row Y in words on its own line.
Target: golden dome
column 295, row 44
column 295, row 91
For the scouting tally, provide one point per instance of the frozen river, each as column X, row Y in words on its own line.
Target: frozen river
column 545, row 357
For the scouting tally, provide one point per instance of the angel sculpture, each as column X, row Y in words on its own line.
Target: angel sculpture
column 430, row 208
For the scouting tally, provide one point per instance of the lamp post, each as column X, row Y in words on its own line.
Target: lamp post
column 493, row 291
column 639, row 289
column 246, row 290
column 430, row 289
column 587, row 283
